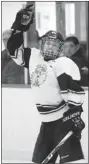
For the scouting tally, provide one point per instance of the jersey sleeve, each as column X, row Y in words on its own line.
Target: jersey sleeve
column 68, row 76
column 16, row 50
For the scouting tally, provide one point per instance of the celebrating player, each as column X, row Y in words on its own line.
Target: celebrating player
column 56, row 84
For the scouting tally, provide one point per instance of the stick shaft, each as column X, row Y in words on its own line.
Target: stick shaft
column 57, row 147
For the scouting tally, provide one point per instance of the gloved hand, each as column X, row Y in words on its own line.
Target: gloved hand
column 77, row 126
column 24, row 18
column 72, row 119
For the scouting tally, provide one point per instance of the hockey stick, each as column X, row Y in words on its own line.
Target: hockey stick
column 57, row 147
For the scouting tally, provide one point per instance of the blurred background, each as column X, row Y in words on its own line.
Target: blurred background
column 68, row 18
column 20, row 120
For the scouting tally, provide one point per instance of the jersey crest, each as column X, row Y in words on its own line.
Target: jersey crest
column 38, row 77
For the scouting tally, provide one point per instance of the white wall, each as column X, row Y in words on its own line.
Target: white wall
column 69, row 19
column 47, row 20
column 21, row 123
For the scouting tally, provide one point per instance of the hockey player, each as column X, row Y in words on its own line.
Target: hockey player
column 56, row 85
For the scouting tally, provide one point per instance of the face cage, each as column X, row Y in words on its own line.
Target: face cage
column 51, row 55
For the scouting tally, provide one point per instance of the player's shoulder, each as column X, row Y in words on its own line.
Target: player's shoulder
column 63, row 59
column 68, row 66
column 34, row 50
column 36, row 56
column 65, row 62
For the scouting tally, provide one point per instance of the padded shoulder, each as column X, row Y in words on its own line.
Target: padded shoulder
column 66, row 65
column 35, row 55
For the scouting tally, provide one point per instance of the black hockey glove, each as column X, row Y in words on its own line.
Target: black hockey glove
column 77, row 126
column 24, row 18
column 72, row 118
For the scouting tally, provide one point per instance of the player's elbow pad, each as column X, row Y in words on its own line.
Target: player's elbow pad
column 76, row 93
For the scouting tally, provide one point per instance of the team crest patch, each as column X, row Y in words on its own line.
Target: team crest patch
column 38, row 77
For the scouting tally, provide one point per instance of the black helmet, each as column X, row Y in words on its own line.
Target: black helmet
column 52, row 35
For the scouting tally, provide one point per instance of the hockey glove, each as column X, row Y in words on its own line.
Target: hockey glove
column 77, row 126
column 24, row 19
column 72, row 118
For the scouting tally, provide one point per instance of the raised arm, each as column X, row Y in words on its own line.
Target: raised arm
column 13, row 38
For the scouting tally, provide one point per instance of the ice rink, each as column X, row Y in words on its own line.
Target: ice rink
column 21, row 123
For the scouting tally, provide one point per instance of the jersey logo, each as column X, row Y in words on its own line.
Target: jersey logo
column 38, row 77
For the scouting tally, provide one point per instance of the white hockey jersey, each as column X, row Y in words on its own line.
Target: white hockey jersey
column 51, row 101
column 55, row 83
